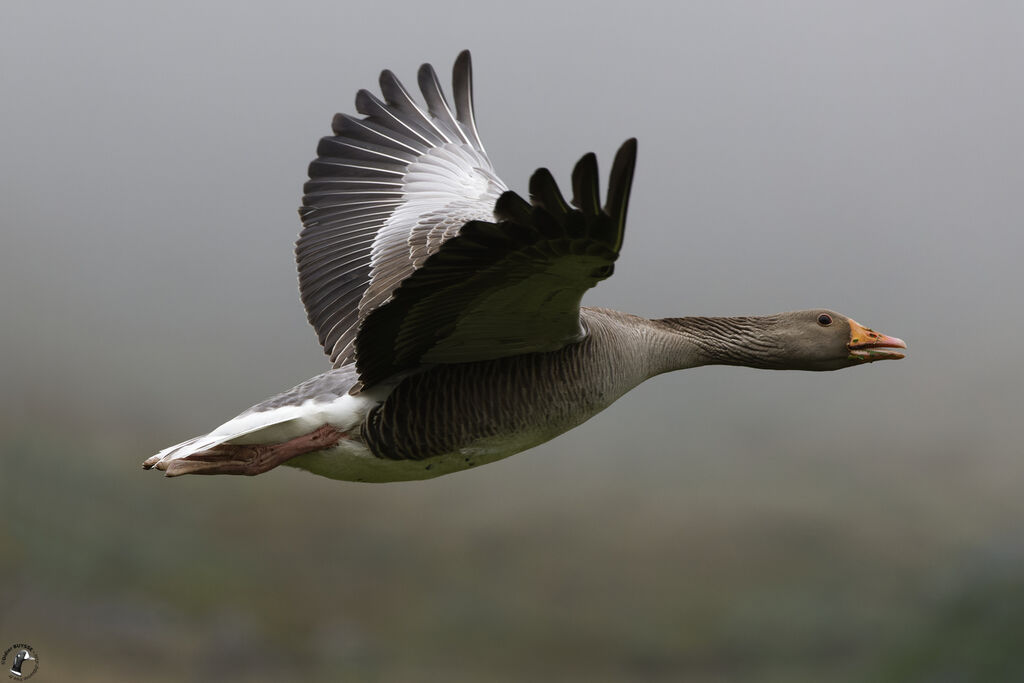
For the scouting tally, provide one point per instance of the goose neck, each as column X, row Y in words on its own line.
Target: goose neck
column 750, row 341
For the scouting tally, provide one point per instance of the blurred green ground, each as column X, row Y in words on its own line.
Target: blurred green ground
column 783, row 567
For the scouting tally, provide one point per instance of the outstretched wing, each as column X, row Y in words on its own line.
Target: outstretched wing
column 384, row 193
column 507, row 287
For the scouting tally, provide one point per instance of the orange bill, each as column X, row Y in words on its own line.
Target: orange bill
column 866, row 345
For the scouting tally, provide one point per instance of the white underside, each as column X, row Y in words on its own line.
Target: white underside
column 277, row 425
column 352, row 461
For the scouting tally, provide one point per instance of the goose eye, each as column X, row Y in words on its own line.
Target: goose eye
column 824, row 319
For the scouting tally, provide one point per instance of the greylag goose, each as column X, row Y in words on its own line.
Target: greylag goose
column 450, row 307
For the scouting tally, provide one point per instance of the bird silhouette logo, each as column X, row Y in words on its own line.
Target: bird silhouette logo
column 24, row 662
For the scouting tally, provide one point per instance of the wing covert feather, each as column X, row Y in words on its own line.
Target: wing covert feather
column 507, row 287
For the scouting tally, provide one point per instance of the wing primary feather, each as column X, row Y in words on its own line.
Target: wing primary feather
column 329, row 216
column 352, row 195
column 317, row 276
column 358, row 147
column 511, row 207
column 462, row 83
column 356, row 182
column 585, row 188
column 398, row 97
column 437, row 105
column 368, row 131
column 544, row 192
column 619, row 183
column 369, row 105
column 365, row 231
column 328, row 253
column 331, row 228
column 329, row 167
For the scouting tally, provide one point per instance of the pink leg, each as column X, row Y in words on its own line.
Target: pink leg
column 251, row 459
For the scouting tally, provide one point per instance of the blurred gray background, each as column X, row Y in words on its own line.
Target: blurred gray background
column 719, row 524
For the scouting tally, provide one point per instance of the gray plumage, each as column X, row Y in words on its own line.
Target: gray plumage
column 328, row 386
column 450, row 307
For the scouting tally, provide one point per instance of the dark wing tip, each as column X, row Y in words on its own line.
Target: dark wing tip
column 337, row 123
column 585, row 188
column 619, row 183
column 426, row 71
column 430, row 86
column 367, row 103
column 544, row 192
column 511, row 207
column 462, row 85
column 628, row 147
column 392, row 88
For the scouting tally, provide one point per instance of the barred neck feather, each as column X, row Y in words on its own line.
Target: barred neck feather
column 750, row 341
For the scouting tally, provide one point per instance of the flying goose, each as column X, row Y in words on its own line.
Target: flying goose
column 450, row 307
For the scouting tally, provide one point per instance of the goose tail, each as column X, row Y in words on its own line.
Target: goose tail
column 313, row 412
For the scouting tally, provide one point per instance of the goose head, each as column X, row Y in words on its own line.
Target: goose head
column 819, row 339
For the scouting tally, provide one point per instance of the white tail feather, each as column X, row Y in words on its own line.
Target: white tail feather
column 276, row 425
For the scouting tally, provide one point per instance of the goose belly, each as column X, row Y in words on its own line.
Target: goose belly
column 456, row 417
column 352, row 460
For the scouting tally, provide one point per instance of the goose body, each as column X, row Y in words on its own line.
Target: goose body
column 450, row 308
